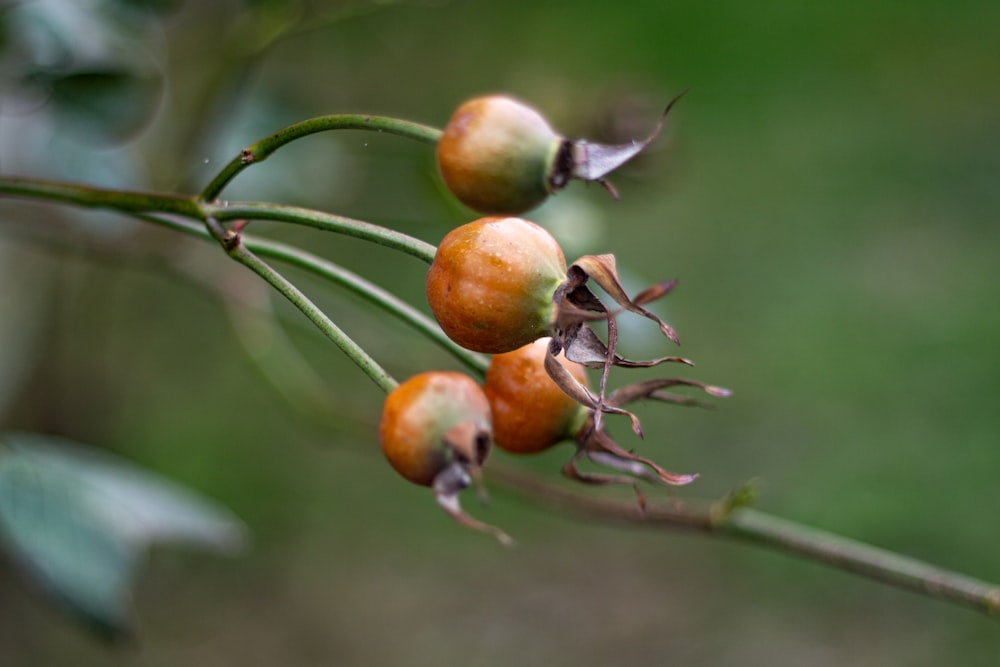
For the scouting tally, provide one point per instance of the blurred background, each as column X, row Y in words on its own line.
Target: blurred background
column 826, row 193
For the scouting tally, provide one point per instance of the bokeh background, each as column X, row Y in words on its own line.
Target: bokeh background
column 827, row 194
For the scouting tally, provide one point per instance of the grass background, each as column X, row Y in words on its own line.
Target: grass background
column 826, row 194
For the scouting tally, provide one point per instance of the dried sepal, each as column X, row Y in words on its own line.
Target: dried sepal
column 600, row 447
column 595, row 444
column 579, row 392
column 575, row 305
column 571, row 471
column 592, row 439
column 653, row 389
column 447, row 485
column 592, row 161
column 602, row 270
column 587, row 349
column 655, row 292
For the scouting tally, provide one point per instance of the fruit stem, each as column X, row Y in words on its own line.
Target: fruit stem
column 95, row 197
column 329, row 222
column 131, row 202
column 238, row 250
column 208, row 217
column 339, row 275
column 261, row 149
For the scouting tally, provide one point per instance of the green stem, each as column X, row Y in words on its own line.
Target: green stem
column 750, row 525
column 143, row 204
column 341, row 276
column 260, row 150
column 755, row 527
column 371, row 292
column 129, row 201
column 326, row 221
column 95, row 197
column 238, row 251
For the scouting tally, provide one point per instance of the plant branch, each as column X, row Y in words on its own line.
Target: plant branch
column 757, row 527
column 130, row 201
column 260, row 150
column 762, row 529
column 145, row 205
column 95, row 197
column 372, row 293
column 348, row 279
column 325, row 221
column 239, row 252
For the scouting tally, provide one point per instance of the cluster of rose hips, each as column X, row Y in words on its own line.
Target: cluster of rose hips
column 500, row 285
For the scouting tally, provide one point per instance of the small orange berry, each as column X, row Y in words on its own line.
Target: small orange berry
column 530, row 412
column 497, row 155
column 436, row 431
column 492, row 283
column 432, row 421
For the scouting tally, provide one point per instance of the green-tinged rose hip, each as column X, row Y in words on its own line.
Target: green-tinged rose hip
column 436, row 430
column 492, row 283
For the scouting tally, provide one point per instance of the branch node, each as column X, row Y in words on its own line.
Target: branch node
column 231, row 241
column 741, row 496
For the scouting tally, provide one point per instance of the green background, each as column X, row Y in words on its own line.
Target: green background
column 827, row 194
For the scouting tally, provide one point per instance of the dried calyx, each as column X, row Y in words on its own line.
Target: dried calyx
column 593, row 441
column 540, row 398
column 576, row 305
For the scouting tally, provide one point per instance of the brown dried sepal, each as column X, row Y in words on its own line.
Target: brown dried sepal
column 576, row 305
column 595, row 444
column 447, row 486
column 464, row 471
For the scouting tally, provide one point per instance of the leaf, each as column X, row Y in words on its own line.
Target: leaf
column 104, row 105
column 80, row 520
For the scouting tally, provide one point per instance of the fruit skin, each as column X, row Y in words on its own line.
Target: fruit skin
column 530, row 412
column 492, row 283
column 497, row 155
column 433, row 421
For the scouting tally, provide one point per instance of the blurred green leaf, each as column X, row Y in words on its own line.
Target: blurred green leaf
column 104, row 105
column 79, row 520
column 161, row 6
column 98, row 67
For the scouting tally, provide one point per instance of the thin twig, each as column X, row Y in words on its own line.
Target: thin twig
column 130, row 201
column 762, row 529
column 81, row 194
column 337, row 274
column 239, row 252
column 260, row 150
column 329, row 222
